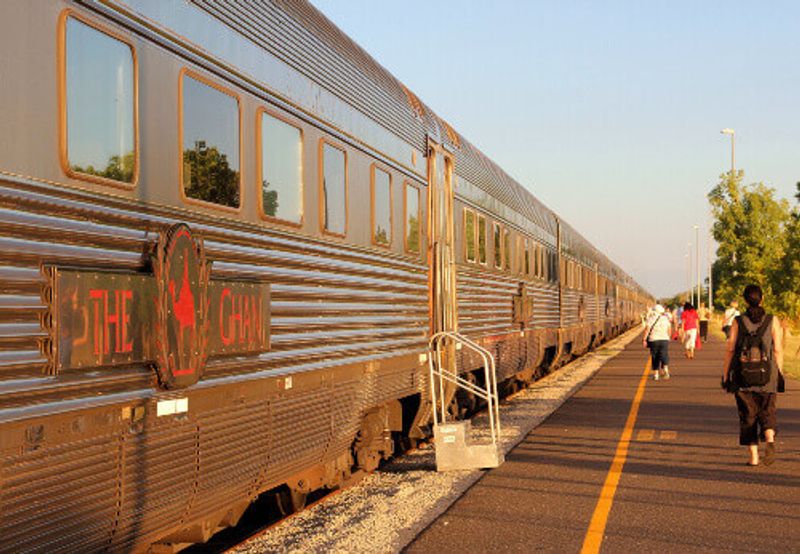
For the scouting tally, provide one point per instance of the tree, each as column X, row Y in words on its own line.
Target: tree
column 269, row 199
column 119, row 168
column 207, row 175
column 750, row 229
column 787, row 278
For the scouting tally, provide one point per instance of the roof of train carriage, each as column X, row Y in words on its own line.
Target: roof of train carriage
column 300, row 35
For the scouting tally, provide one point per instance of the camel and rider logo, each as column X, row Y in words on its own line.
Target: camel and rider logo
column 182, row 273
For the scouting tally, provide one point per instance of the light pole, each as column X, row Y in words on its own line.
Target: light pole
column 732, row 133
column 697, row 263
column 689, row 287
column 708, row 259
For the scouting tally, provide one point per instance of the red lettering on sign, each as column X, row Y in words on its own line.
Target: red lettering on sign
column 225, row 338
column 239, row 318
column 104, row 320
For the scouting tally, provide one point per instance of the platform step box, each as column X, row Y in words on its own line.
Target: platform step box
column 455, row 451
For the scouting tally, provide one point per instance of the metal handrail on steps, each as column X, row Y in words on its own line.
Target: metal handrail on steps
column 437, row 371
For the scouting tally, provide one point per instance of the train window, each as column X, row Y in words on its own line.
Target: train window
column 280, row 169
column 210, row 142
column 333, row 188
column 507, row 249
column 412, row 219
column 498, row 249
column 99, row 103
column 381, row 207
column 469, row 235
column 527, row 251
column 482, row 239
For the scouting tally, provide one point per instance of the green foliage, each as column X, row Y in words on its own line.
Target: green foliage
column 207, row 176
column 117, row 168
column 757, row 237
column 269, row 200
column 787, row 278
column 413, row 234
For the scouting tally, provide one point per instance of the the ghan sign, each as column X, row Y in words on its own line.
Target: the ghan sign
column 174, row 318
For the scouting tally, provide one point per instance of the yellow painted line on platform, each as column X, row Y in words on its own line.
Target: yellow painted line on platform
column 646, row 435
column 597, row 527
column 669, row 435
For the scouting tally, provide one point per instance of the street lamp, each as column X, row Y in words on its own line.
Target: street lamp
column 697, row 263
column 690, row 287
column 732, row 133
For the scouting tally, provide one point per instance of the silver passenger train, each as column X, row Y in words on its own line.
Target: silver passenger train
column 226, row 235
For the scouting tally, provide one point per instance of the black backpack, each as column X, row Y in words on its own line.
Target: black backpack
column 753, row 356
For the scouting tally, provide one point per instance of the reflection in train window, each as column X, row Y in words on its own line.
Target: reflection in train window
column 281, row 169
column 498, row 252
column 334, row 189
column 412, row 219
column 469, row 235
column 210, row 148
column 507, row 248
column 381, row 207
column 100, row 104
column 527, row 251
column 481, row 239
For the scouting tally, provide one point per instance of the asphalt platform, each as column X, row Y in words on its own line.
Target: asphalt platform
column 601, row 475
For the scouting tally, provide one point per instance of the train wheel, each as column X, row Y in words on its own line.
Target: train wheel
column 290, row 501
column 466, row 401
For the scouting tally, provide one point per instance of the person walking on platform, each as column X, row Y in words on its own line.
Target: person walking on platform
column 656, row 337
column 704, row 314
column 727, row 320
column 753, row 371
column 689, row 322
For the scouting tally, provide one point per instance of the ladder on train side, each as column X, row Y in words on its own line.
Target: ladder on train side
column 453, row 441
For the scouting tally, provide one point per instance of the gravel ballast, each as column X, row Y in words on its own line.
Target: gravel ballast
column 389, row 508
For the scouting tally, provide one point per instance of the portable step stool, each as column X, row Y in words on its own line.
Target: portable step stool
column 453, row 442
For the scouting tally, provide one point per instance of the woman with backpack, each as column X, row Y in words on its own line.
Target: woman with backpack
column 752, row 370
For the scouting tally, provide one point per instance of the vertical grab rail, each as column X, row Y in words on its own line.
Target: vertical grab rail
column 437, row 372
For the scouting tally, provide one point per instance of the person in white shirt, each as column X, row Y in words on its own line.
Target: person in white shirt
column 730, row 315
column 656, row 336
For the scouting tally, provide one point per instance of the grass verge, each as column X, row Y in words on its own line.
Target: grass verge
column 791, row 356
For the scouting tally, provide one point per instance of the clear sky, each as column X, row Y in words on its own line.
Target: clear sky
column 609, row 112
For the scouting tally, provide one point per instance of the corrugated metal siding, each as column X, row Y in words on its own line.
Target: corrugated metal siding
column 301, row 430
column 545, row 306
column 159, row 471
column 486, row 300
column 234, row 452
column 53, row 500
column 485, row 305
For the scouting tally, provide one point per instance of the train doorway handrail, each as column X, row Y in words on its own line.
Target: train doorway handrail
column 439, row 375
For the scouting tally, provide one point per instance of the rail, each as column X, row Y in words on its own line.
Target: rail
column 442, row 375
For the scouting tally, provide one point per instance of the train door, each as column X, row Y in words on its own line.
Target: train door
column 441, row 240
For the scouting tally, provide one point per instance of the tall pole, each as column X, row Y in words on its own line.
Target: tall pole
column 732, row 134
column 697, row 263
column 708, row 259
column 689, row 287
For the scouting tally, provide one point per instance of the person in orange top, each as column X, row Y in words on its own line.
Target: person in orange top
column 689, row 321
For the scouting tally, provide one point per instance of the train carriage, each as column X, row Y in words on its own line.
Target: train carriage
column 226, row 236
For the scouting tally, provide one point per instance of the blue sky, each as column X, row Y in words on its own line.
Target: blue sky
column 609, row 112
